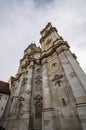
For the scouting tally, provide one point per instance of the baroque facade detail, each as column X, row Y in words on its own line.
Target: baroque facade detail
column 49, row 89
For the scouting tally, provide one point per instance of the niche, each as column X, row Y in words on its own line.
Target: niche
column 38, row 109
column 38, row 84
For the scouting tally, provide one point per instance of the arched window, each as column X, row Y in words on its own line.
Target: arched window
column 38, row 109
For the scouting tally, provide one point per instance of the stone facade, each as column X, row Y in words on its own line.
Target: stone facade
column 49, row 89
column 3, row 102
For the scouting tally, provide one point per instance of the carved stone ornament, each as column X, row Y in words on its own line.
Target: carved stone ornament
column 24, row 81
column 21, row 98
column 38, row 77
column 25, row 64
column 57, row 76
column 31, row 65
column 28, row 92
column 38, row 97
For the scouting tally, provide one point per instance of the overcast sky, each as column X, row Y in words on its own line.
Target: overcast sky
column 22, row 20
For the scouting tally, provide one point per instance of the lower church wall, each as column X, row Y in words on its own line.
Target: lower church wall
column 22, row 124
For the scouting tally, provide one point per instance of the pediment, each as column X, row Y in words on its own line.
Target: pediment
column 57, row 76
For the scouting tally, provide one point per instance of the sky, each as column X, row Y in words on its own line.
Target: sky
column 22, row 20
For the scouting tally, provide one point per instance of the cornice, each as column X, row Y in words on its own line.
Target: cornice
column 30, row 56
column 54, row 47
column 59, row 43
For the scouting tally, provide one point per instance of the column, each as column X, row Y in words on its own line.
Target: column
column 48, row 113
column 29, row 88
column 46, row 88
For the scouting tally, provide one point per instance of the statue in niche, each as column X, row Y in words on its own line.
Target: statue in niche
column 38, row 84
column 38, row 109
column 24, row 81
column 19, row 108
column 23, row 84
column 20, row 105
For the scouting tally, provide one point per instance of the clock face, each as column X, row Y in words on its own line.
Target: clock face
column 54, row 65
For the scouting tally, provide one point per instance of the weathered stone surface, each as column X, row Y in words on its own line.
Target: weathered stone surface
column 49, row 90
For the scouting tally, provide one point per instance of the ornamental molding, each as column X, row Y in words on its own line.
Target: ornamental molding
column 57, row 76
column 24, row 81
column 59, row 46
column 38, row 77
column 48, row 32
column 38, row 97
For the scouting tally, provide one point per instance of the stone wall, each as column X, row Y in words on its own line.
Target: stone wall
column 48, row 92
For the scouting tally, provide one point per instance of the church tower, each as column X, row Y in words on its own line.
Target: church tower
column 49, row 89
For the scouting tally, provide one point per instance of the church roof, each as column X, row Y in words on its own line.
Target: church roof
column 4, row 87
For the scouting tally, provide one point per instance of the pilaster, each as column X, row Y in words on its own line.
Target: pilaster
column 77, row 81
column 48, row 113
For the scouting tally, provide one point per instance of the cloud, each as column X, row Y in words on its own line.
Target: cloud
column 21, row 23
